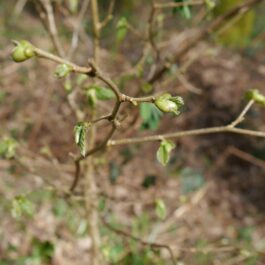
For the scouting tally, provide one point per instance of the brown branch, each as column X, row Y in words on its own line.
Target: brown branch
column 152, row 245
column 204, row 33
column 52, row 26
column 196, row 132
column 172, row 5
column 75, row 68
column 96, row 29
column 74, row 42
column 109, row 15
column 230, row 128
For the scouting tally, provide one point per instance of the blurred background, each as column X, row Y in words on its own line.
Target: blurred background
column 208, row 204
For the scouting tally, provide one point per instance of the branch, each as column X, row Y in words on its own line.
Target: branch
column 109, row 15
column 80, row 18
column 96, row 28
column 230, row 128
column 75, row 68
column 204, row 33
column 172, row 5
column 52, row 26
column 152, row 245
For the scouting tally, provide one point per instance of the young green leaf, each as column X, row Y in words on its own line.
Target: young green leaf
column 8, row 147
column 151, row 116
column 103, row 93
column 164, row 150
column 91, row 97
column 68, row 87
column 21, row 205
column 121, row 29
column 160, row 209
column 62, row 70
column 80, row 132
column 184, row 10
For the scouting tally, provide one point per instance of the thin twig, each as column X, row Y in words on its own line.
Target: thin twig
column 109, row 15
column 241, row 116
column 181, row 4
column 152, row 245
column 75, row 68
column 74, row 42
column 52, row 26
column 204, row 33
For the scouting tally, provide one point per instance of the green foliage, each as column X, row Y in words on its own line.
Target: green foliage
column 121, row 29
column 91, row 97
column 149, row 181
column 80, row 132
column 236, row 35
column 103, row 93
column 167, row 103
column 68, row 85
column 256, row 95
column 23, row 51
column 151, row 116
column 21, row 205
column 160, row 209
column 113, row 253
column 95, row 93
column 62, row 70
column 183, row 10
column 42, row 251
column 164, row 150
column 8, row 147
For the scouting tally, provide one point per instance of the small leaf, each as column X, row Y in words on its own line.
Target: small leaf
column 103, row 93
column 91, row 97
column 62, row 70
column 80, row 132
column 164, row 150
column 161, row 210
column 151, row 116
column 8, row 147
column 80, row 78
column 121, row 29
column 22, row 206
column 68, row 85
column 183, row 10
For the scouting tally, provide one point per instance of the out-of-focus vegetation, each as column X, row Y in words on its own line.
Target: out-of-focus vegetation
column 205, row 206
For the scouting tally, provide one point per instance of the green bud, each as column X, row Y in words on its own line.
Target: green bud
column 167, row 103
column 22, row 51
column 91, row 97
column 254, row 94
column 62, row 70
